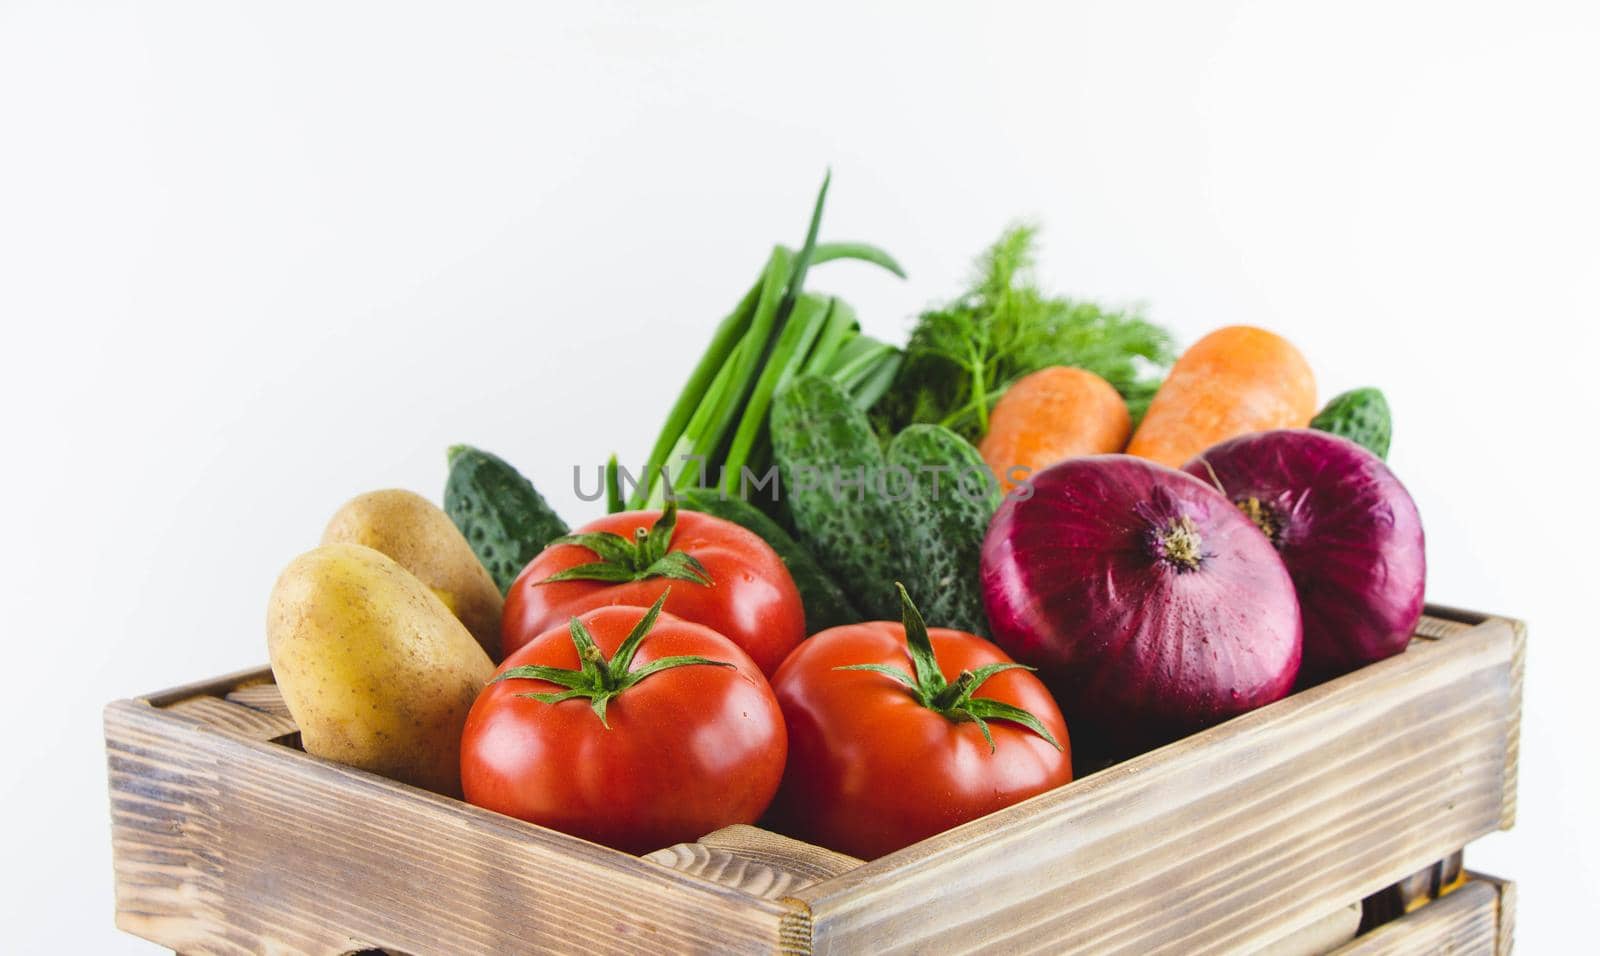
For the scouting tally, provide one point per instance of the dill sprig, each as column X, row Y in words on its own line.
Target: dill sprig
column 962, row 357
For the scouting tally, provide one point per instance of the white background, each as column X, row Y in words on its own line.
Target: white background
column 256, row 258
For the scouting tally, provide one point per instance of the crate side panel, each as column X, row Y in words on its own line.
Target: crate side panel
column 1519, row 652
column 223, row 844
column 1324, row 935
column 1464, row 923
column 215, row 687
column 1506, row 913
column 1205, row 845
column 759, row 862
column 217, row 712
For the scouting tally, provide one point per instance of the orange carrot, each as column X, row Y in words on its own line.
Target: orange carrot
column 1051, row 415
column 1234, row 381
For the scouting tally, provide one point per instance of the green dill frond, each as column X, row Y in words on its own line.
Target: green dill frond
column 961, row 358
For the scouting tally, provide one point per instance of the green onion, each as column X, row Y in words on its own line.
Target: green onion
column 727, row 337
column 613, row 487
column 719, row 421
column 802, row 327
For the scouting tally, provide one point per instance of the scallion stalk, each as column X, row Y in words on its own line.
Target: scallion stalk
column 800, row 331
column 727, row 338
column 777, row 332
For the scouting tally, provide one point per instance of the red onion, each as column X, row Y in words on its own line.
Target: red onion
column 1347, row 530
column 1150, row 604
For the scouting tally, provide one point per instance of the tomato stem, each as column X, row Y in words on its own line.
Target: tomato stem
column 954, row 700
column 597, row 679
column 648, row 555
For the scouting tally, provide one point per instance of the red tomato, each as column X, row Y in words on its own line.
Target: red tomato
column 751, row 599
column 872, row 769
column 684, row 751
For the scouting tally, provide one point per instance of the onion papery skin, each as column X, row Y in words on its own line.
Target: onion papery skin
column 1139, row 647
column 1348, row 531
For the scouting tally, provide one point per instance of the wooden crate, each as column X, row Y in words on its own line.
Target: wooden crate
column 1247, row 837
column 1474, row 919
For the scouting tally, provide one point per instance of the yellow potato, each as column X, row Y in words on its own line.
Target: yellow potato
column 373, row 667
column 418, row 534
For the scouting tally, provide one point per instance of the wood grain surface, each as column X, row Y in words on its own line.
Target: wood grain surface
column 1256, row 834
column 1412, row 891
column 1466, row 922
column 225, row 844
column 218, row 712
column 1507, row 910
column 756, row 861
column 1320, row 937
column 1209, row 844
column 262, row 695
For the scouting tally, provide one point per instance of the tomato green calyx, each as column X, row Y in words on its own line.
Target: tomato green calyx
column 954, row 700
column 648, row 555
column 596, row 678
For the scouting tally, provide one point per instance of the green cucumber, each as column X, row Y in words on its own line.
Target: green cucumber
column 500, row 513
column 1361, row 415
column 825, row 602
column 828, row 460
column 949, row 498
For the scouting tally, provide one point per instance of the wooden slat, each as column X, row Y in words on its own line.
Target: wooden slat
column 260, row 696
column 1207, row 844
column 811, row 863
column 1470, row 618
column 1441, row 622
column 1247, row 836
column 225, row 844
column 1412, row 891
column 1327, row 933
column 1519, row 651
column 1507, row 912
column 1464, row 923
column 216, row 712
column 1437, row 628
column 730, row 869
column 756, row 861
column 215, row 687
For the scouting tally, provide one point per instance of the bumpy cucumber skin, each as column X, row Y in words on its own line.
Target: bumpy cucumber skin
column 946, row 512
column 826, row 603
column 1361, row 415
column 815, row 426
column 499, row 512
